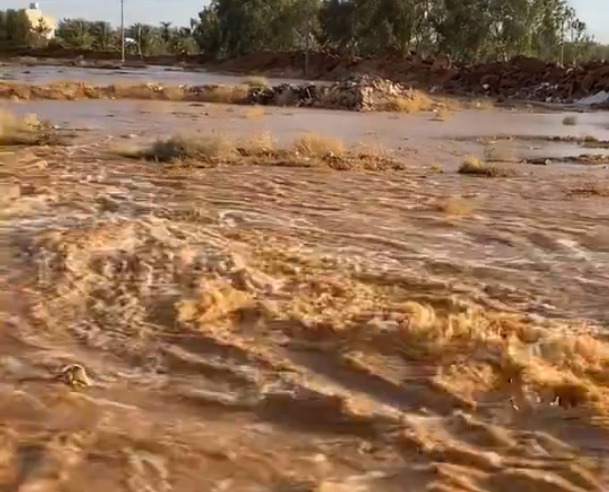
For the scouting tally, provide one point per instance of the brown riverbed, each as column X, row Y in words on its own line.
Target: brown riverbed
column 279, row 325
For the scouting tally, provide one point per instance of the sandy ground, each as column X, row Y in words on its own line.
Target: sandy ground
column 266, row 327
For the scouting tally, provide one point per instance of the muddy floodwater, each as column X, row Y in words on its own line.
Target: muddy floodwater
column 279, row 326
column 526, row 133
column 105, row 76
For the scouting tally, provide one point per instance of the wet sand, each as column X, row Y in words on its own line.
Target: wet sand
column 287, row 328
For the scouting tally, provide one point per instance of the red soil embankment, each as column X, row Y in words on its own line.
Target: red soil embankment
column 520, row 77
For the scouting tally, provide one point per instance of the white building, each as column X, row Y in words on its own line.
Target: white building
column 37, row 18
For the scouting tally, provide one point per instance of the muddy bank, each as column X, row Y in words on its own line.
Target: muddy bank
column 360, row 94
column 519, row 78
column 58, row 55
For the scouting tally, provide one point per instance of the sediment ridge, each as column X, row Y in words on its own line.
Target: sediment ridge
column 357, row 94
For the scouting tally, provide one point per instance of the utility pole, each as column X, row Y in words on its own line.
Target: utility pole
column 308, row 38
column 123, row 31
column 307, row 49
column 562, row 43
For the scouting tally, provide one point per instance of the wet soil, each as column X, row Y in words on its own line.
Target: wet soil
column 254, row 327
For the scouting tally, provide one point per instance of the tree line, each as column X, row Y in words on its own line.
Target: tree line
column 141, row 39
column 467, row 30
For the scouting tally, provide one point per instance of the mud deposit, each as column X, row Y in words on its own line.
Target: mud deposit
column 280, row 326
column 360, row 94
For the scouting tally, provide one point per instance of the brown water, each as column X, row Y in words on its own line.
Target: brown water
column 116, row 116
column 40, row 75
column 279, row 328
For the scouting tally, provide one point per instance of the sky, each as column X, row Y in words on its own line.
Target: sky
column 179, row 12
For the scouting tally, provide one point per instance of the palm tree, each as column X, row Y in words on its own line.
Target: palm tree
column 144, row 37
column 166, row 32
column 75, row 32
column 103, row 34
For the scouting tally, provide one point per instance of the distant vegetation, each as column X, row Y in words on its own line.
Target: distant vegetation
column 467, row 30
column 144, row 40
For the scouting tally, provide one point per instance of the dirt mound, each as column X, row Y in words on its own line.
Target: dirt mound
column 529, row 78
column 359, row 93
column 319, row 63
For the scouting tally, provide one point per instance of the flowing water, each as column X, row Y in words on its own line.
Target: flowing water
column 286, row 328
column 40, row 75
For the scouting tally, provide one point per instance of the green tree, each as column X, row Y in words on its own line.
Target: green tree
column 147, row 39
column 338, row 25
column 15, row 28
column 468, row 30
column 104, row 37
column 229, row 28
column 167, row 32
column 75, row 33
column 464, row 28
column 207, row 32
column 182, row 41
